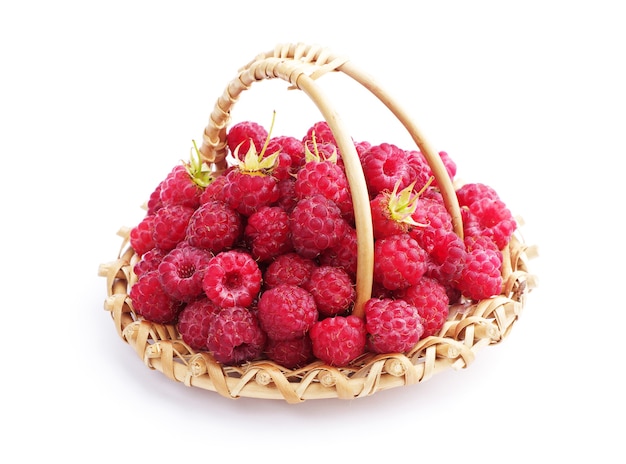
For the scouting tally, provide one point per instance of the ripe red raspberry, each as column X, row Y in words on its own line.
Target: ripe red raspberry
column 287, row 194
column 193, row 323
column 322, row 133
column 290, row 158
column 316, row 225
column 338, row 340
column 214, row 191
column 393, row 212
column 149, row 261
column 232, row 278
column 332, row 290
column 431, row 300
column 140, row 236
column 178, row 188
column 181, row 272
column 392, row 325
column 234, row 336
column 267, row 233
column 481, row 276
column 399, row 261
column 384, row 166
column 154, row 201
column 447, row 256
column 324, row 176
column 170, row 225
column 150, row 301
column 469, row 193
column 248, row 189
column 240, row 135
column 434, row 217
column 493, row 219
column 286, row 312
column 290, row 268
column 344, row 254
column 214, row 226
column 292, row 353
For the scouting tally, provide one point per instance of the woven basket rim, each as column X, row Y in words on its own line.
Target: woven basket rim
column 470, row 326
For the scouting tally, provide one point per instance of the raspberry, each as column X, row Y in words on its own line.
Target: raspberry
column 291, row 155
column 481, row 276
column 324, row 176
column 447, row 256
column 384, row 166
column 469, row 193
column 214, row 191
column 214, row 226
column 181, row 272
column 431, row 300
column 178, row 188
column 287, row 194
column 291, row 353
column 344, row 254
column 241, row 134
column 140, row 236
column 170, row 225
column 232, row 278
column 234, row 336
column 193, row 323
column 392, row 325
column 151, row 302
column 149, row 261
column 494, row 220
column 332, row 290
column 393, row 212
column 322, row 133
column 286, row 312
column 290, row 268
column 338, row 340
column 251, row 186
column 399, row 261
column 316, row 224
column 267, row 233
column 434, row 217
column 154, row 201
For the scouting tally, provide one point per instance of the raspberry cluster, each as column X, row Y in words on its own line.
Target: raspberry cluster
column 260, row 261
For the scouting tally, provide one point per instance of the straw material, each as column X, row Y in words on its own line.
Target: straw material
column 468, row 328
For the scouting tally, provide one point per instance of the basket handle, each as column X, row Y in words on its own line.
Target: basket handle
column 300, row 65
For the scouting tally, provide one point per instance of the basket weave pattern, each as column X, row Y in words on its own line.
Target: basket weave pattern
column 469, row 327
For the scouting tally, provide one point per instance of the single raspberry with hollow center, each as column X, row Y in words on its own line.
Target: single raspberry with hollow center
column 232, row 278
column 181, row 272
column 286, row 312
column 338, row 340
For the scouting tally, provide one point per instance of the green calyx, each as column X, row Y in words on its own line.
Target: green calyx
column 315, row 154
column 198, row 170
column 257, row 163
column 403, row 204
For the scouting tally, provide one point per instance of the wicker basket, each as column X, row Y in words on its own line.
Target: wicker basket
column 467, row 329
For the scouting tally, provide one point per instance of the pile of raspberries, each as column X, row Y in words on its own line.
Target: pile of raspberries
column 260, row 261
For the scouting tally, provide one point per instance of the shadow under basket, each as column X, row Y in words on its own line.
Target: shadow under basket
column 469, row 327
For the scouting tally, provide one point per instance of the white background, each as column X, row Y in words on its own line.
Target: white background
column 98, row 101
